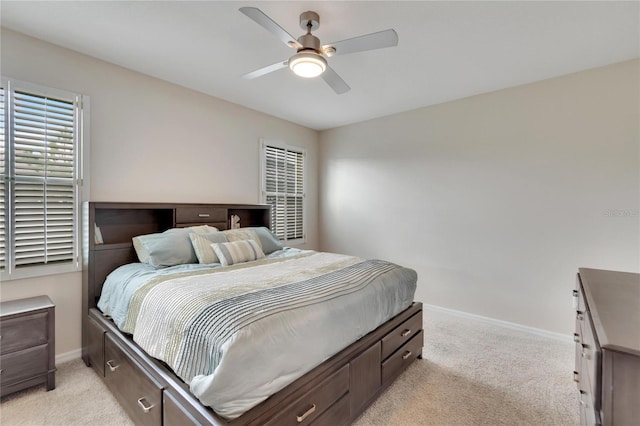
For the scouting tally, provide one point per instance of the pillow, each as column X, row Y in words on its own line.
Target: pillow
column 166, row 249
column 202, row 229
column 242, row 234
column 237, row 251
column 202, row 246
column 268, row 240
column 172, row 247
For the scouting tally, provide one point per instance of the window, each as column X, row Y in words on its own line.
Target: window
column 40, row 159
column 283, row 188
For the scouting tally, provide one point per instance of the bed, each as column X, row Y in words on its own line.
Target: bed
column 314, row 337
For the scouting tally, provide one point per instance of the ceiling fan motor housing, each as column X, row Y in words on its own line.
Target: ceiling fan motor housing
column 309, row 19
column 309, row 42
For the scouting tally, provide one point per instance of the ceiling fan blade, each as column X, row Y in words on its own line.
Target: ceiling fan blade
column 386, row 38
column 266, row 70
column 335, row 81
column 264, row 21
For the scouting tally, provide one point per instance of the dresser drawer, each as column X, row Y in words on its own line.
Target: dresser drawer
column 25, row 364
column 580, row 369
column 200, row 214
column 587, row 407
column 139, row 394
column 402, row 358
column 23, row 332
column 312, row 404
column 401, row 334
column 591, row 360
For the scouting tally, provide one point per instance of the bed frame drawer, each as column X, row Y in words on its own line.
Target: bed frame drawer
column 95, row 348
column 204, row 214
column 336, row 415
column 400, row 359
column 138, row 393
column 402, row 334
column 312, row 404
column 174, row 413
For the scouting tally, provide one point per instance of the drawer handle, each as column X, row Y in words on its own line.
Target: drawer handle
column 575, row 293
column 204, row 215
column 111, row 365
column 575, row 376
column 576, row 337
column 306, row 414
column 579, row 315
column 406, row 355
column 145, row 408
column 406, row 332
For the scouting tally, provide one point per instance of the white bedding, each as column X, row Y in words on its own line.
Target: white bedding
column 223, row 333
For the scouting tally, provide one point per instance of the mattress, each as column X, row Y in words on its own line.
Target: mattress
column 238, row 334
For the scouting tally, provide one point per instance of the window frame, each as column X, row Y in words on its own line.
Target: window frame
column 264, row 143
column 81, row 182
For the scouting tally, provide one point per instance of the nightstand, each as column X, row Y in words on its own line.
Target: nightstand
column 27, row 344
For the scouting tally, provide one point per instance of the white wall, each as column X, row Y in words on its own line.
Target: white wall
column 496, row 199
column 150, row 141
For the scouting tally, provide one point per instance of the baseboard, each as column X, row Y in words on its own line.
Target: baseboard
column 68, row 356
column 77, row 353
column 500, row 323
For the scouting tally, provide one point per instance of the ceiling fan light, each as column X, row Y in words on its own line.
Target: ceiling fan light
column 307, row 64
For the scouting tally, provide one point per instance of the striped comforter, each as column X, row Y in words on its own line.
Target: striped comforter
column 267, row 322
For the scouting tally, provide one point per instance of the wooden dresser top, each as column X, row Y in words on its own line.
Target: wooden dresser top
column 613, row 298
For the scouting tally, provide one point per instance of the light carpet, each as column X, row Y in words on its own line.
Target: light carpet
column 472, row 374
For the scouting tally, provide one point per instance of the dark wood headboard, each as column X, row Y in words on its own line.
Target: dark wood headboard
column 118, row 223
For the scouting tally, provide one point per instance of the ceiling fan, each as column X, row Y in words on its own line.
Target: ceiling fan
column 309, row 61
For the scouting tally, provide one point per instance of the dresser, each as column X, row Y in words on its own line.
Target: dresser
column 607, row 336
column 27, row 344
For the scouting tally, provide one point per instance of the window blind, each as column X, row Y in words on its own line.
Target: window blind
column 284, row 191
column 44, row 179
column 3, row 192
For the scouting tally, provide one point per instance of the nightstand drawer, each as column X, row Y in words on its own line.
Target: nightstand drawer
column 402, row 334
column 23, row 332
column 23, row 365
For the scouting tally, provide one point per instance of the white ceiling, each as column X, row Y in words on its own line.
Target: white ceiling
column 447, row 50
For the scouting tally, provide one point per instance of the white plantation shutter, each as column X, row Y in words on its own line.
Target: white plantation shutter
column 44, row 188
column 42, row 176
column 283, row 189
column 3, row 191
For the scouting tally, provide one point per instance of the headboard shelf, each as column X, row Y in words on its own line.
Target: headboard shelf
column 112, row 246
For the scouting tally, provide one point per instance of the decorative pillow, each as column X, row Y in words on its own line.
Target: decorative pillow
column 169, row 248
column 242, row 234
column 237, row 251
column 202, row 246
column 268, row 240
